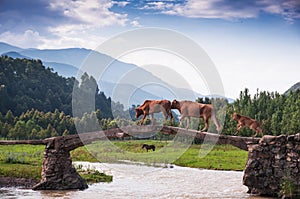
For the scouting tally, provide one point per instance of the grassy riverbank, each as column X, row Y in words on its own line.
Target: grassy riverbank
column 25, row 160
column 219, row 157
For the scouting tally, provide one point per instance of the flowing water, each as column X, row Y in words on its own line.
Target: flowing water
column 137, row 181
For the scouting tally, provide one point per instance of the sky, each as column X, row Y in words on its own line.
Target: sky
column 253, row 44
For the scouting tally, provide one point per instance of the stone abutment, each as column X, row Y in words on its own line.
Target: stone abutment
column 273, row 166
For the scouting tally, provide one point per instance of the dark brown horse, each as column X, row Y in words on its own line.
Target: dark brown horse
column 148, row 147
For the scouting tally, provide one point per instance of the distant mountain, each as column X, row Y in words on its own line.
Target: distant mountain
column 294, row 88
column 70, row 56
column 4, row 48
column 64, row 70
column 15, row 55
column 129, row 79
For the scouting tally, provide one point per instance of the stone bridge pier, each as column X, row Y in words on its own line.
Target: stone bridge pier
column 58, row 172
column 273, row 166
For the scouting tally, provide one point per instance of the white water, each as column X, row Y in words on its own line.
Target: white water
column 134, row 181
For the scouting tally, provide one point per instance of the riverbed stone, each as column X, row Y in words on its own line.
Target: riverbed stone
column 273, row 166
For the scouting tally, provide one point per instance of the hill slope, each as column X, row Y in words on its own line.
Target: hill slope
column 27, row 84
column 294, row 88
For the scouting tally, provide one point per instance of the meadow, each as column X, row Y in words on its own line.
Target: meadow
column 220, row 157
column 25, row 160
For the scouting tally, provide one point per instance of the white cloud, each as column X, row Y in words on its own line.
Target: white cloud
column 157, row 5
column 135, row 23
column 82, row 25
column 91, row 12
column 33, row 39
column 225, row 9
column 28, row 39
column 121, row 3
column 208, row 9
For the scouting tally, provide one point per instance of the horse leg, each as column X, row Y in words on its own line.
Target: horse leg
column 188, row 122
column 257, row 130
column 181, row 121
column 238, row 128
column 152, row 119
column 205, row 125
column 142, row 121
column 171, row 117
column 165, row 116
column 260, row 130
column 217, row 123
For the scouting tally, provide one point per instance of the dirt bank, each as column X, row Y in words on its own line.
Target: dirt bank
column 17, row 182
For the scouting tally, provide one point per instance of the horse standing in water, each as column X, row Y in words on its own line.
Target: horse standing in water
column 148, row 147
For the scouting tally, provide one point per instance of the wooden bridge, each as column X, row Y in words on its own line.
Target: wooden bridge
column 59, row 174
column 72, row 142
column 57, row 170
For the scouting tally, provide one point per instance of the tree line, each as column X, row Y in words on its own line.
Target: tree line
column 277, row 113
column 36, row 103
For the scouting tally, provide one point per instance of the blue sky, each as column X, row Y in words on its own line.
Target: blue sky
column 253, row 43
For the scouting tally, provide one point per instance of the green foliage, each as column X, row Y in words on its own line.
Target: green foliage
column 92, row 175
column 277, row 114
column 289, row 189
column 36, row 103
column 26, row 84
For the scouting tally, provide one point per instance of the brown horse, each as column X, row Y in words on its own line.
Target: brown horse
column 193, row 109
column 154, row 106
column 246, row 121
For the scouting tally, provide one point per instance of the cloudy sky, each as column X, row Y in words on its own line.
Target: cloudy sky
column 253, row 43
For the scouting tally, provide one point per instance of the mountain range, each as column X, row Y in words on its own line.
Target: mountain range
column 123, row 82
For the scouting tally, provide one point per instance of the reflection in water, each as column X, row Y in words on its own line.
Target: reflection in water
column 133, row 181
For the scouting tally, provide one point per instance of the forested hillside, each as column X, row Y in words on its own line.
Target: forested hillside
column 36, row 103
column 27, row 84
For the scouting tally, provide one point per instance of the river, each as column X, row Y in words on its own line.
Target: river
column 137, row 181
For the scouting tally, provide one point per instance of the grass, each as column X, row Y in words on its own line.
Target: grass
column 21, row 161
column 26, row 160
column 93, row 176
column 221, row 157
